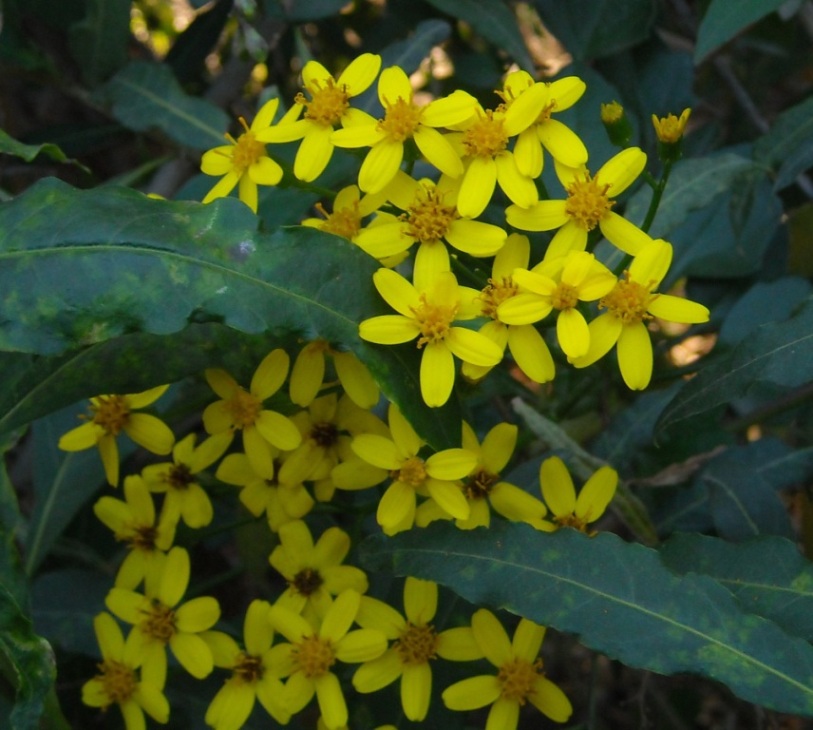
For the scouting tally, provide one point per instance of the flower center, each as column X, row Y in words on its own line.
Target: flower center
column 587, row 202
column 247, row 150
column 343, row 222
column 328, row 105
column 180, row 476
column 434, row 321
column 479, row 484
column 401, row 120
column 572, row 520
column 324, row 434
column 159, row 623
column 118, row 680
column 111, row 412
column 417, row 644
column 495, row 294
column 143, row 538
column 486, row 137
column 314, row 656
column 412, row 472
column 564, row 296
column 544, row 115
column 628, row 301
column 243, row 407
column 248, row 668
column 307, row 581
column 427, row 218
column 517, row 679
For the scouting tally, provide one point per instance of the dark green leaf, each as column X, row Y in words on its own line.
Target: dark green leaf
column 99, row 42
column 409, row 53
column 145, row 96
column 780, row 354
column 493, row 20
column 767, row 575
column 724, row 19
column 10, row 146
column 618, row 597
column 788, row 147
column 302, row 11
column 595, row 28
column 83, row 267
column 188, row 54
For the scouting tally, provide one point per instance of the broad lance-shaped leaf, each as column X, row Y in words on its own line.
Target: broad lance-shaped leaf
column 767, row 575
column 618, row 597
column 83, row 267
column 780, row 354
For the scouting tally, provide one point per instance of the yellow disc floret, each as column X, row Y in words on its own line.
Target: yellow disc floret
column 243, row 407
column 159, row 622
column 342, row 222
column 247, row 150
column 434, row 320
column 401, row 120
column 517, row 677
column 412, row 472
column 564, row 296
column 307, row 581
column 314, row 656
column 479, row 484
column 486, row 137
column 328, row 103
column 587, row 202
column 417, row 644
column 428, row 218
column 497, row 291
column 248, row 668
column 111, row 412
column 118, row 680
column 628, row 301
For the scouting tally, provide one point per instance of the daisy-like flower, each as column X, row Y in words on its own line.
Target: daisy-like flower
column 158, row 621
column 244, row 162
column 280, row 501
column 308, row 375
column 185, row 498
column 308, row 658
column 242, row 410
column 416, row 643
column 589, row 203
column 328, row 107
column 121, row 682
column 559, row 284
column 133, row 522
column 436, row 477
column 350, row 209
column 484, row 486
column 404, row 120
column 670, row 128
column 527, row 346
column 484, row 141
column 519, row 679
column 428, row 311
column 567, row 510
column 314, row 571
column 253, row 678
column 629, row 305
column 430, row 218
column 112, row 414
column 559, row 140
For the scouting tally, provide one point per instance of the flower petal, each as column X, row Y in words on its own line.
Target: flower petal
column 437, row 373
column 635, row 356
column 557, row 486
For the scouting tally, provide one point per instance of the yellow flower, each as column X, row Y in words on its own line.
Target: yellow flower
column 120, row 682
column 252, row 678
column 632, row 302
column 428, row 311
column 559, row 284
column 329, row 106
column 185, row 498
column 670, row 129
column 133, row 522
column 243, row 162
column 158, row 621
column 308, row 658
column 112, row 414
column 519, row 679
column 612, row 112
column 483, row 485
column 435, row 476
column 314, row 572
column 484, row 141
column 404, row 120
column 430, row 219
column 566, row 509
column 416, row 644
column 308, row 375
column 349, row 211
column 280, row 501
column 241, row 409
column 560, row 141
column 588, row 204
column 527, row 346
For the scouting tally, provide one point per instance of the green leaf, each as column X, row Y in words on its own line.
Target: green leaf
column 595, row 28
column 409, row 53
column 83, row 267
column 303, row 11
column 493, row 20
column 145, row 96
column 788, row 146
column 780, row 354
column 724, row 19
column 618, row 597
column 767, row 575
column 99, row 42
column 27, row 152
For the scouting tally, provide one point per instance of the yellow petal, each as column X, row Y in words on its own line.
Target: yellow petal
column 498, row 446
column 473, row 347
column 396, row 505
column 360, row 73
column 621, row 170
column 380, row 165
column 449, row 111
column 449, row 497
column 572, row 332
column 528, row 153
column 596, row 494
column 557, row 486
column 451, row 464
column 378, row 451
column 518, row 187
column 543, row 216
column 550, row 700
column 270, row 374
column 437, row 374
column 438, row 150
column 402, row 296
column 389, row 329
column 416, row 690
column 677, row 309
column 82, row 437
column 472, row 693
column 265, row 171
column 635, row 356
column 193, row 654
column 623, row 234
column 562, row 142
column 477, row 187
column 150, row 432
column 531, row 353
column 476, row 238
column 491, row 637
